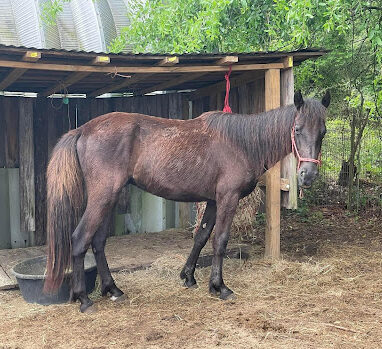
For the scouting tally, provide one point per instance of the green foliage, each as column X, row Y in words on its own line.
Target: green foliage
column 195, row 26
column 50, row 10
column 351, row 29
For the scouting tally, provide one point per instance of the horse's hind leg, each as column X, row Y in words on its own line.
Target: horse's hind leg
column 200, row 239
column 98, row 207
column 98, row 245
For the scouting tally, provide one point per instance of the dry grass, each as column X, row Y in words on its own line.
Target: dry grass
column 329, row 296
column 331, row 301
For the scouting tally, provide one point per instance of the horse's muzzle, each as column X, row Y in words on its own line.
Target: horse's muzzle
column 307, row 173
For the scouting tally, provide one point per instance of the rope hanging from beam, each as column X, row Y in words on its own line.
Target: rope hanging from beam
column 227, row 108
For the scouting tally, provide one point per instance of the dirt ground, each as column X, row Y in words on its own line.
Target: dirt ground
column 325, row 292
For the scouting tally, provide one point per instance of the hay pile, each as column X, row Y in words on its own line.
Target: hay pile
column 245, row 217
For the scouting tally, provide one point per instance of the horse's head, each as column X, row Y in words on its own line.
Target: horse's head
column 307, row 134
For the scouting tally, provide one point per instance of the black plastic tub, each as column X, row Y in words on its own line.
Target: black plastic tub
column 30, row 277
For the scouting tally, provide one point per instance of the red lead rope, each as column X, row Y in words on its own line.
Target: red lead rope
column 227, row 108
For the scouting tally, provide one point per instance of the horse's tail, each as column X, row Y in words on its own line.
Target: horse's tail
column 65, row 200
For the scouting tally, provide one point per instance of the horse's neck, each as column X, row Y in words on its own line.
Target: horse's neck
column 272, row 136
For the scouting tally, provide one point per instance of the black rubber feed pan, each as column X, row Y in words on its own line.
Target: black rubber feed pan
column 30, row 277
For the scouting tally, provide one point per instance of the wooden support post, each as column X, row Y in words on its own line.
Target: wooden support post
column 27, row 178
column 272, row 203
column 289, row 163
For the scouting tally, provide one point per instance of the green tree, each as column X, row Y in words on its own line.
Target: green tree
column 350, row 29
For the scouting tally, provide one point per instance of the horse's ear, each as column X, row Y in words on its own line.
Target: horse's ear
column 298, row 100
column 326, row 99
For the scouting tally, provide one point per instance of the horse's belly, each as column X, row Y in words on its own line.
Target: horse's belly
column 173, row 190
column 178, row 178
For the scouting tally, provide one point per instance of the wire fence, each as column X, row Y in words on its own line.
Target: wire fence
column 334, row 173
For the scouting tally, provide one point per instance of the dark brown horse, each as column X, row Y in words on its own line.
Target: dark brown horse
column 217, row 157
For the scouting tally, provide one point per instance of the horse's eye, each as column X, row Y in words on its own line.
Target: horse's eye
column 297, row 130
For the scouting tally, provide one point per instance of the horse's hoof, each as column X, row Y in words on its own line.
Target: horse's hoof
column 118, row 299
column 227, row 294
column 88, row 309
column 191, row 285
column 189, row 280
column 214, row 292
column 229, row 297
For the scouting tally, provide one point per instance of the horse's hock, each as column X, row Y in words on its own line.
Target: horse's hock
column 192, row 84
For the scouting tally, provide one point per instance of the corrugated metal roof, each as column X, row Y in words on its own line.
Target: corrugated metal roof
column 8, row 32
column 82, row 25
column 26, row 22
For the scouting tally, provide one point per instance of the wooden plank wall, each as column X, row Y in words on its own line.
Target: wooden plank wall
column 9, row 132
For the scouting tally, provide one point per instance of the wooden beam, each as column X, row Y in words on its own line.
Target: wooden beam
column 31, row 56
column 289, row 163
column 11, row 78
column 167, row 84
column 284, row 183
column 117, row 86
column 70, row 80
column 101, row 60
column 137, row 69
column 241, row 79
column 227, row 60
column 272, row 179
column 168, row 61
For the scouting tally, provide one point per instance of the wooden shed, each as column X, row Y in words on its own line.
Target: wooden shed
column 47, row 92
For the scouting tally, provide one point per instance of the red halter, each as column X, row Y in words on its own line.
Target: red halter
column 297, row 154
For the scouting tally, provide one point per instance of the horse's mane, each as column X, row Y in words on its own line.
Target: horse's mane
column 264, row 137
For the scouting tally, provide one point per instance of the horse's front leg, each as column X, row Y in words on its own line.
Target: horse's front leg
column 98, row 245
column 226, row 208
column 200, row 239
